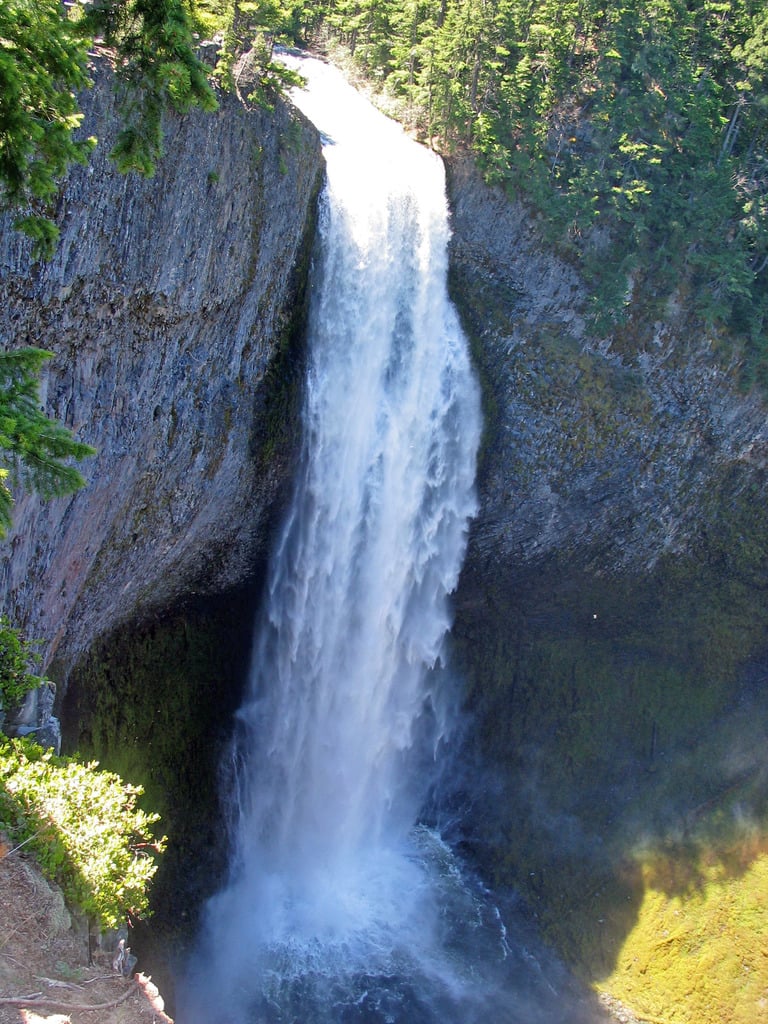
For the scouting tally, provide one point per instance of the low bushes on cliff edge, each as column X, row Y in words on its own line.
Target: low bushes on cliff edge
column 84, row 827
column 17, row 656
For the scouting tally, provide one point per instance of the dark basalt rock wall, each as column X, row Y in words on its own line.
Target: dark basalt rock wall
column 174, row 308
column 611, row 617
column 592, row 449
column 170, row 308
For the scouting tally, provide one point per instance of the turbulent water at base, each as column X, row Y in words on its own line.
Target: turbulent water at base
column 339, row 906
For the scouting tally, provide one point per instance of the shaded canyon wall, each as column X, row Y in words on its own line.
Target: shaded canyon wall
column 611, row 617
column 174, row 310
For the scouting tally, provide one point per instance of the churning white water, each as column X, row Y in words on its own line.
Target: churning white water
column 338, row 907
column 375, row 537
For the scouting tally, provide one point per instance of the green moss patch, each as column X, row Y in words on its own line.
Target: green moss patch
column 154, row 703
column 622, row 722
column 698, row 956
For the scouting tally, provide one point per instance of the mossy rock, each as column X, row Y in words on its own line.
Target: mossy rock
column 621, row 721
column 154, row 702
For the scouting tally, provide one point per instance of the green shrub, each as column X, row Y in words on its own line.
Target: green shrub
column 84, row 827
column 17, row 655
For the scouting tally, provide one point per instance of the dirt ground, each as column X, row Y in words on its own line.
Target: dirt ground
column 44, row 972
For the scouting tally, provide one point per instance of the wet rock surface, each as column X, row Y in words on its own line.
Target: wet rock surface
column 611, row 617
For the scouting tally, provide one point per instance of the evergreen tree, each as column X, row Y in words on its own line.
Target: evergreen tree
column 42, row 63
column 253, row 27
column 645, row 118
column 34, row 449
column 157, row 67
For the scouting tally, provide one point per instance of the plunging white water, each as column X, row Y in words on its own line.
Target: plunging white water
column 337, row 907
column 340, row 721
column 375, row 537
column 374, row 542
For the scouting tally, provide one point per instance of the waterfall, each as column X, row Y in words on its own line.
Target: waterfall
column 374, row 539
column 339, row 907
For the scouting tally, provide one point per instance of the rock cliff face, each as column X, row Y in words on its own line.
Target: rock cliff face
column 168, row 305
column 608, row 455
column 611, row 618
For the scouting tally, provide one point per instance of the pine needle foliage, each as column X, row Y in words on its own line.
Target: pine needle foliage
column 636, row 130
column 44, row 52
column 42, row 64
column 254, row 27
column 157, row 67
column 17, row 658
column 34, row 449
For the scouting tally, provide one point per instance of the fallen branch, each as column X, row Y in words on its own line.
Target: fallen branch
column 153, row 997
column 7, row 853
column 60, row 1004
column 55, row 983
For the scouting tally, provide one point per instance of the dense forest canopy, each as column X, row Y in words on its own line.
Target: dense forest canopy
column 637, row 130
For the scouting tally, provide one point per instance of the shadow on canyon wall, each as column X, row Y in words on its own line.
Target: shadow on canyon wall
column 616, row 727
column 617, row 737
column 154, row 702
column 616, row 740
